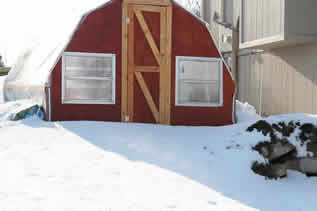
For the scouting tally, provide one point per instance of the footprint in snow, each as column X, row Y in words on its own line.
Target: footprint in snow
column 212, row 203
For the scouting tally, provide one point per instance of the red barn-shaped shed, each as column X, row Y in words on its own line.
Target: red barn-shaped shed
column 145, row 61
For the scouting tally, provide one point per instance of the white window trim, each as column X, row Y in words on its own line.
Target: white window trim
column 113, row 100
column 210, row 59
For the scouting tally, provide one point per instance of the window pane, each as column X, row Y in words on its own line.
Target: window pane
column 198, row 81
column 87, row 66
column 88, row 90
column 191, row 92
column 199, row 70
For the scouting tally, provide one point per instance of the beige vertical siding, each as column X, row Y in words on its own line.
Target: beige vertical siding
column 215, row 8
column 261, row 19
column 269, row 23
column 228, row 10
column 220, row 33
column 280, row 81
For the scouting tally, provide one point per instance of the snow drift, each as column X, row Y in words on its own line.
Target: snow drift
column 113, row 166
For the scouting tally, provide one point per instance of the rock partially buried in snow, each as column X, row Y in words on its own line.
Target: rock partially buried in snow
column 273, row 151
column 270, row 171
column 291, row 146
column 307, row 166
column 312, row 148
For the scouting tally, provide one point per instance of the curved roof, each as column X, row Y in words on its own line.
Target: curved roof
column 43, row 43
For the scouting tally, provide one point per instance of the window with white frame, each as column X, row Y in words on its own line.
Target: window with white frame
column 198, row 81
column 88, row 78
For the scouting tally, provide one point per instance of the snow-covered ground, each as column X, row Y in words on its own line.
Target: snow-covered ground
column 246, row 112
column 2, row 78
column 102, row 166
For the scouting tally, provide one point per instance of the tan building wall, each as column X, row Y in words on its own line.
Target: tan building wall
column 264, row 21
column 221, row 34
column 280, row 79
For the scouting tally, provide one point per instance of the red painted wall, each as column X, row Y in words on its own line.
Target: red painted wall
column 196, row 41
column 101, row 33
column 143, row 56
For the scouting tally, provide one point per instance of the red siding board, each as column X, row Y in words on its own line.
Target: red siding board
column 101, row 33
column 145, row 57
column 196, row 41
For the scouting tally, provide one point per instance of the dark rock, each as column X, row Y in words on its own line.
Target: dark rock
column 307, row 131
column 261, row 126
column 314, row 136
column 305, row 165
column 285, row 129
column 262, row 148
column 284, row 158
column 307, row 128
column 280, row 153
column 270, row 171
column 275, row 151
column 312, row 147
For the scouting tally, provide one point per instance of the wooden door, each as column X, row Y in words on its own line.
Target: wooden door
column 148, row 64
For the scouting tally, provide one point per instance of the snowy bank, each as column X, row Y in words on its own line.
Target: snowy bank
column 245, row 112
column 115, row 167
column 2, row 78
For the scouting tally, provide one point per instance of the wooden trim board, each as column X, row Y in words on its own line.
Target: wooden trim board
column 148, row 35
column 168, row 54
column 149, row 2
column 165, row 75
column 147, row 69
column 148, row 96
column 163, row 65
column 132, row 11
column 124, row 66
column 131, row 65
